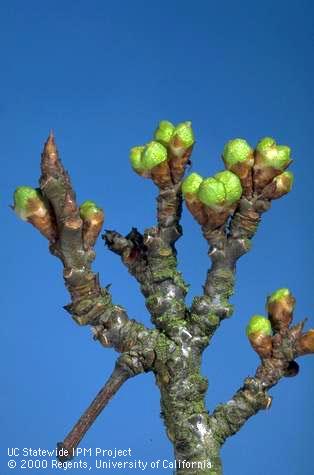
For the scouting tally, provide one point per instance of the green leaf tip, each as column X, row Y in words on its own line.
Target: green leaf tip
column 273, row 155
column 184, row 133
column 23, row 197
column 164, row 132
column 88, row 209
column 136, row 157
column 259, row 325
column 212, row 192
column 154, row 153
column 191, row 184
column 235, row 151
column 232, row 185
column 279, row 294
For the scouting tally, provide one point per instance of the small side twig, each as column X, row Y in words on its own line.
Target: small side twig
column 66, row 449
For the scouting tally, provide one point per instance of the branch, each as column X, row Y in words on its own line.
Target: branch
column 278, row 354
column 132, row 251
column 226, row 245
column 151, row 257
column 72, row 232
column 66, row 449
column 228, row 206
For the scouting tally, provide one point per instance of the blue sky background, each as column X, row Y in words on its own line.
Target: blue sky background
column 102, row 74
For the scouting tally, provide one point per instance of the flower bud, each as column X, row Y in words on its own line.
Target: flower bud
column 212, row 193
column 30, row 205
column 191, row 184
column 238, row 158
column 154, row 160
column 182, row 138
column 154, row 153
column 280, row 306
column 280, row 186
column 136, row 160
column 219, row 194
column 93, row 219
column 270, row 160
column 150, row 161
column 232, row 186
column 259, row 334
column 180, row 148
column 190, row 187
column 306, row 343
column 164, row 132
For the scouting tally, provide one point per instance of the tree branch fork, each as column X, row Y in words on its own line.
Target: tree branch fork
column 173, row 349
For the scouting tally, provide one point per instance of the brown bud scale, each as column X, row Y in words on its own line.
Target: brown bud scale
column 161, row 175
column 92, row 228
column 262, row 344
column 178, row 164
column 280, row 312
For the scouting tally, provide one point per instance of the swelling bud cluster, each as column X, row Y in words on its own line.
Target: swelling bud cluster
column 211, row 200
column 164, row 158
column 262, row 170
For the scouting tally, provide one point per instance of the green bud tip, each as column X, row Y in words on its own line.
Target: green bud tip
column 235, row 151
column 88, row 209
column 276, row 156
column 164, row 132
column 212, row 192
column 265, row 143
column 278, row 295
column 259, row 324
column 23, row 196
column 185, row 133
column 232, row 185
column 154, row 153
column 191, row 184
column 136, row 157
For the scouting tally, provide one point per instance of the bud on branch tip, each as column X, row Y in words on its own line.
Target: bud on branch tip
column 89, row 209
column 30, row 205
column 236, row 151
column 146, row 157
column 183, row 133
column 273, row 155
column 28, row 200
column 280, row 306
column 93, row 218
column 259, row 333
column 153, row 154
column 270, row 160
column 164, row 132
column 259, row 324
column 221, row 190
column 191, row 184
column 232, row 185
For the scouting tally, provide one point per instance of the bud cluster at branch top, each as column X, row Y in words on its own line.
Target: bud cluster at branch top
column 33, row 206
column 260, row 168
column 165, row 157
column 262, row 331
column 212, row 199
column 251, row 173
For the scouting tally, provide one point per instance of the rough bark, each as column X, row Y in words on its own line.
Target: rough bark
column 173, row 350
